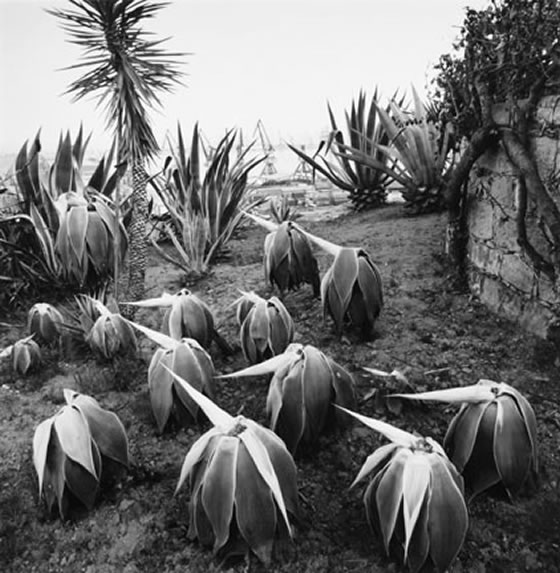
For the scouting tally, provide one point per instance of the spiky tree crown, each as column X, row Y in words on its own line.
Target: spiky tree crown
column 123, row 63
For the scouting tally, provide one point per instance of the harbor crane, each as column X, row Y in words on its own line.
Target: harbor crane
column 269, row 164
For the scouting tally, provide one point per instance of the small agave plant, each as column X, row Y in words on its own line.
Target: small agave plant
column 26, row 355
column 288, row 258
column 44, row 322
column 110, row 333
column 76, row 448
column 414, row 498
column 242, row 482
column 351, row 289
column 186, row 358
column 266, row 327
column 304, row 387
column 187, row 316
column 493, row 438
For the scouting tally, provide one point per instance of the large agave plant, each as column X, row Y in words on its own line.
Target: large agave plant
column 414, row 498
column 420, row 150
column 493, row 438
column 266, row 327
column 186, row 358
column 242, row 482
column 187, row 316
column 74, row 449
column 304, row 388
column 365, row 184
column 67, row 228
column 202, row 213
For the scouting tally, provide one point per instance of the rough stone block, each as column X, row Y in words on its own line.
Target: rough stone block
column 503, row 190
column 481, row 216
column 546, row 152
column 484, row 257
column 505, row 234
column 517, row 273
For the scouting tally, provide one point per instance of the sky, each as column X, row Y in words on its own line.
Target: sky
column 278, row 61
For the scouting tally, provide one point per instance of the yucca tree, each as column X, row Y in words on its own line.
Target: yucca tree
column 127, row 68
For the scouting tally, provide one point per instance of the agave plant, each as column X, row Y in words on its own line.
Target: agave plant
column 67, row 228
column 366, row 184
column 26, row 355
column 288, row 258
column 493, row 438
column 86, row 237
column 44, row 322
column 187, row 316
column 74, row 449
column 420, row 151
column 305, row 385
column 266, row 327
column 202, row 213
column 99, row 324
column 281, row 210
column 414, row 499
column 186, row 358
column 242, row 481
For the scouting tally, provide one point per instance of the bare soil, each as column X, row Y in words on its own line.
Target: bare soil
column 438, row 336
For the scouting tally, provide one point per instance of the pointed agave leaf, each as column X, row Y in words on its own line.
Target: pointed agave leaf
column 41, row 440
column 447, row 517
column 327, row 246
column 261, row 459
column 160, row 385
column 389, row 495
column 162, row 301
column 265, row 223
column 392, row 433
column 158, row 337
column 462, row 433
column 195, row 454
column 266, row 367
column 530, row 421
column 75, row 437
column 218, row 489
column 214, row 413
column 416, row 486
column 379, row 458
column 106, row 429
column 512, row 445
column 471, row 394
column 63, row 166
column 254, row 503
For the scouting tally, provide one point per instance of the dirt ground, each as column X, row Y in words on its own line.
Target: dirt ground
column 439, row 337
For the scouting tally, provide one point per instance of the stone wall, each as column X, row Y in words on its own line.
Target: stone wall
column 500, row 272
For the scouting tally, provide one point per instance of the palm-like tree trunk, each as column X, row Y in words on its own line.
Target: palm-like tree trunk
column 138, row 245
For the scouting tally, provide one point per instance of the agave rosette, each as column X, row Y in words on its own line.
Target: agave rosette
column 74, row 449
column 187, row 316
column 305, row 385
column 43, row 321
column 414, row 499
column 26, row 355
column 266, row 327
column 86, row 235
column 107, row 333
column 493, row 438
column 186, row 358
column 288, row 258
column 242, row 482
column 351, row 289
